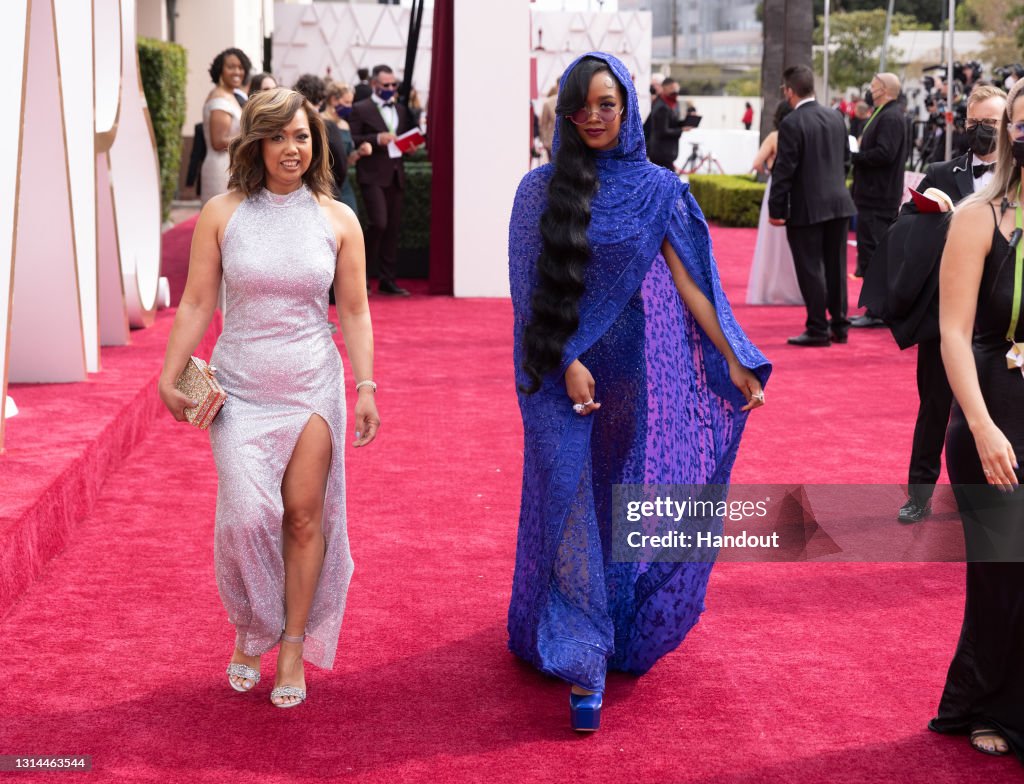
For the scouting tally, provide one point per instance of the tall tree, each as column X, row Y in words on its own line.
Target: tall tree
column 1000, row 21
column 787, row 31
column 926, row 12
column 856, row 43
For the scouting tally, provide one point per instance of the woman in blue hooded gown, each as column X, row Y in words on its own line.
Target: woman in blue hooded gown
column 631, row 369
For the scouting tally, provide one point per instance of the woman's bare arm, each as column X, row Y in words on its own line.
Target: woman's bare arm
column 706, row 315
column 199, row 300
column 963, row 261
column 220, row 129
column 354, row 313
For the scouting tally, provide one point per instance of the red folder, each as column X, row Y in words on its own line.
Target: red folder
column 925, row 204
column 409, row 139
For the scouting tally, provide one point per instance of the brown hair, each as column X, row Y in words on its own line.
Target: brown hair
column 265, row 114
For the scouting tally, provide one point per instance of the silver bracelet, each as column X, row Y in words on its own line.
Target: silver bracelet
column 367, row 383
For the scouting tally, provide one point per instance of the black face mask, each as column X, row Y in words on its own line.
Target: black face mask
column 1018, row 152
column 869, row 99
column 982, row 139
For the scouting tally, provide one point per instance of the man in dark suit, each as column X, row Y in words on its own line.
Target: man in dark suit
column 809, row 197
column 362, row 89
column 902, row 284
column 666, row 127
column 878, row 168
column 381, row 175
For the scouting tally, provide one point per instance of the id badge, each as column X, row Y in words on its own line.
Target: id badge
column 1015, row 357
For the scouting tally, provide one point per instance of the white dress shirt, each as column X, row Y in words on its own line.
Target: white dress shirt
column 388, row 112
column 984, row 179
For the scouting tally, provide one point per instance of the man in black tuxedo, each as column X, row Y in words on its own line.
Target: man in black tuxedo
column 381, row 175
column 878, row 168
column 809, row 197
column 902, row 284
column 666, row 127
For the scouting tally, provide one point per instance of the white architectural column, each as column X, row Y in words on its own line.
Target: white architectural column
column 46, row 341
column 135, row 176
column 207, row 28
column 13, row 41
column 75, row 48
column 492, row 138
column 114, row 329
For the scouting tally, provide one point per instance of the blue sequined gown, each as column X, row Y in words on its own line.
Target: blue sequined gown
column 669, row 415
column 279, row 365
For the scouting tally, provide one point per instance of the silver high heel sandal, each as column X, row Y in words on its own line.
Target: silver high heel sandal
column 245, row 672
column 289, row 691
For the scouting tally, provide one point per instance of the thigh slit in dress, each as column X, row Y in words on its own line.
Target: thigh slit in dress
column 278, row 362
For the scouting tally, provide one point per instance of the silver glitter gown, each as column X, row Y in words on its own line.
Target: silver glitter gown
column 279, row 365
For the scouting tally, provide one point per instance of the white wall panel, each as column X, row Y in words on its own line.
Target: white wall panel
column 490, row 156
column 75, row 47
column 559, row 37
column 343, row 37
column 46, row 325
column 135, row 175
column 13, row 46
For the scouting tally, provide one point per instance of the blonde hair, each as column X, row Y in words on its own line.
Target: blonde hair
column 264, row 115
column 336, row 90
column 1007, row 173
column 983, row 92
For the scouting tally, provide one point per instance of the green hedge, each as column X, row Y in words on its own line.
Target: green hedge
column 728, row 199
column 163, row 68
column 415, row 229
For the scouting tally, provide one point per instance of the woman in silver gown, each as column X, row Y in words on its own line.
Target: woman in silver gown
column 279, row 241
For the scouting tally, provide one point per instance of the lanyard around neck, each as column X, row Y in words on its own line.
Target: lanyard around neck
column 874, row 114
column 1018, row 273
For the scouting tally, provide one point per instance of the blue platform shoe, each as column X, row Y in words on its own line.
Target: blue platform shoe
column 585, row 711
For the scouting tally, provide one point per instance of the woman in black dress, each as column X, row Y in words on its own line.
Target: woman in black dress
column 980, row 303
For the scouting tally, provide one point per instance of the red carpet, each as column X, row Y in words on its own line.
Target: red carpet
column 797, row 673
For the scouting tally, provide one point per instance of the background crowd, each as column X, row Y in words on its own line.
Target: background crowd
column 363, row 121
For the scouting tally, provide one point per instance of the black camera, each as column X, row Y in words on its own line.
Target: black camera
column 1015, row 70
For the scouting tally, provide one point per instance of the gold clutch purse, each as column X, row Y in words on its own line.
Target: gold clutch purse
column 197, row 382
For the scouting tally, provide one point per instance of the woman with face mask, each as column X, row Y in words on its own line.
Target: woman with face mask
column 980, row 295
column 631, row 370
column 337, row 108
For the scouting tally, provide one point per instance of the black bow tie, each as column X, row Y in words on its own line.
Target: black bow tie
column 979, row 169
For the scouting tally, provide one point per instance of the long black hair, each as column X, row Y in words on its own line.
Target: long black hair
column 554, row 307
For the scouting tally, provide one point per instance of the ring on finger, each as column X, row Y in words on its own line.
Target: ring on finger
column 579, row 408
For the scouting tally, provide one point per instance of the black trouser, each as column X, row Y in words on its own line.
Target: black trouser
column 871, row 227
column 819, row 254
column 932, row 418
column 384, row 215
